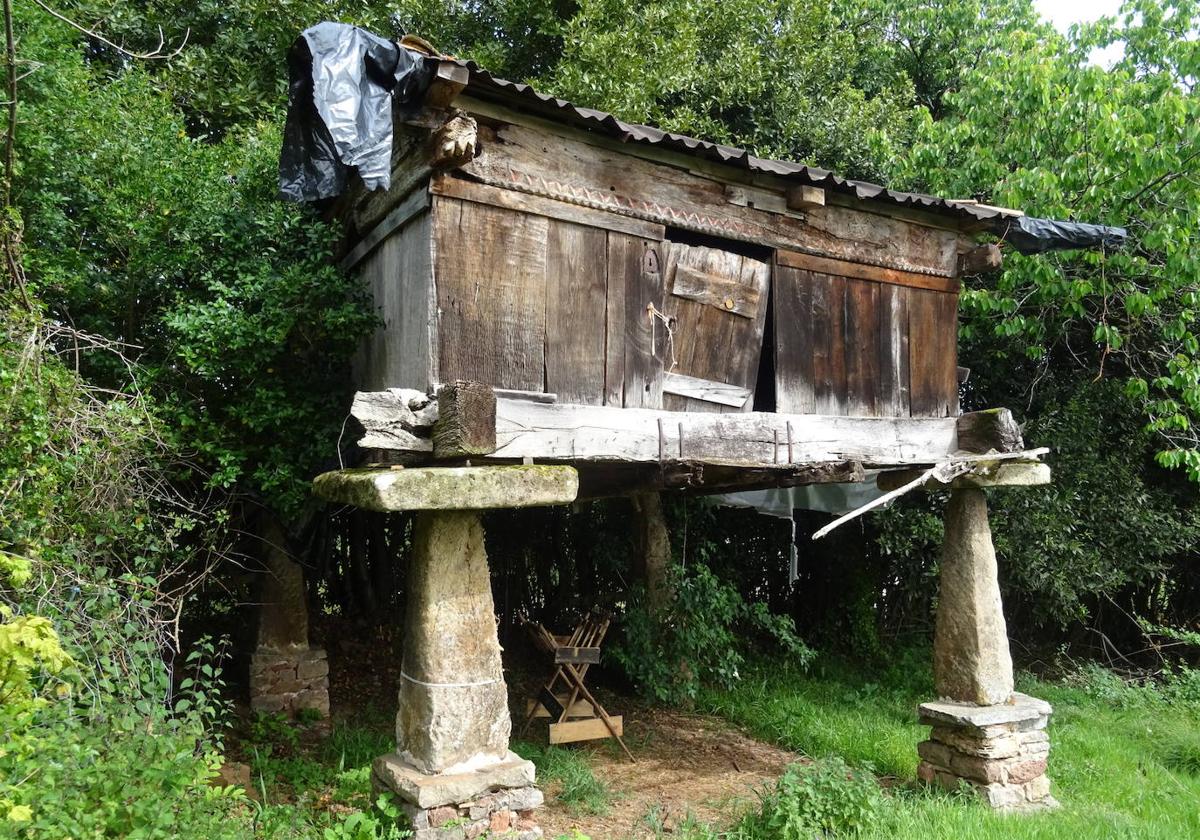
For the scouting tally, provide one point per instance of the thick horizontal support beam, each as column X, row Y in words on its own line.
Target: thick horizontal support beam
column 450, row 488
column 569, row 433
column 578, row 433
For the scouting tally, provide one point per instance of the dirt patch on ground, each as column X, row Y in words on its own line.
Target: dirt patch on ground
column 686, row 764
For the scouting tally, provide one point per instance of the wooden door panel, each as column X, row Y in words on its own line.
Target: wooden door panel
column 717, row 306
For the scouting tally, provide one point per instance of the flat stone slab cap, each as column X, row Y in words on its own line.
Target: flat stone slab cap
column 987, row 474
column 432, row 790
column 450, row 488
column 1021, row 708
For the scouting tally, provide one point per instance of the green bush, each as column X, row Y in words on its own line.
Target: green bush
column 702, row 636
column 825, row 799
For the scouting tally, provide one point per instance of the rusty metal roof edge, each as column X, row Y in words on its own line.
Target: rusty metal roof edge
column 518, row 93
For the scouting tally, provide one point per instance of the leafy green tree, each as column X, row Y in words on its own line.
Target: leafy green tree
column 769, row 76
column 228, row 302
column 1042, row 129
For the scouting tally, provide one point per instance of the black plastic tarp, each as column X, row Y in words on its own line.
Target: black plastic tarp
column 1033, row 236
column 344, row 84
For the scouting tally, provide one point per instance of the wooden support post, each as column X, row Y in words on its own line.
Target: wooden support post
column 466, row 422
column 804, row 197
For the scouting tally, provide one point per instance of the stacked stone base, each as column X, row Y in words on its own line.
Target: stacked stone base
column 493, row 801
column 999, row 750
column 286, row 681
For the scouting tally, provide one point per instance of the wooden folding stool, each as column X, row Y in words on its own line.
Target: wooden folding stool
column 576, row 715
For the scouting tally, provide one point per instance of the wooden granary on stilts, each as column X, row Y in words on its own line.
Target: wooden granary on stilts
column 575, row 307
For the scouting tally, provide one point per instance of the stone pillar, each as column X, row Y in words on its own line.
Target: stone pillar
column 982, row 733
column 452, row 769
column 286, row 674
column 971, row 661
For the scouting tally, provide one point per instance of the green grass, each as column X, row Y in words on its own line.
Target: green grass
column 580, row 789
column 1125, row 761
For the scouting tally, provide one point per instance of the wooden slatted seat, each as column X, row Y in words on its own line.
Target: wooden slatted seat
column 576, row 715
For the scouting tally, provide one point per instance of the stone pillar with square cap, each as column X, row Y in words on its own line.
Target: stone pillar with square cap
column 982, row 732
column 452, row 770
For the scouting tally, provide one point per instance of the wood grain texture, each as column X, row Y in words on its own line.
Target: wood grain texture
column 933, row 353
column 563, row 167
column 399, row 275
column 558, row 431
column 712, row 343
column 635, row 272
column 706, row 390
column 447, row 185
column 727, row 294
column 893, row 352
column 828, row 343
column 876, row 274
column 491, row 293
column 793, row 329
column 576, row 286
column 861, row 330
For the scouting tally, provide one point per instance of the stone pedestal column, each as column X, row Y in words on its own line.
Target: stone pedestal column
column 452, row 768
column 452, row 771
column 971, row 661
column 982, row 733
column 286, row 674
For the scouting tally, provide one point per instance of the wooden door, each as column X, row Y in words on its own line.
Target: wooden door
column 717, row 307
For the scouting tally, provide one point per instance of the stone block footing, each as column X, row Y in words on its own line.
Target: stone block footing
column 496, row 800
column 289, row 680
column 999, row 750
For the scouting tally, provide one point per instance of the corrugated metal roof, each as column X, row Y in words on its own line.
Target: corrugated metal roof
column 522, row 96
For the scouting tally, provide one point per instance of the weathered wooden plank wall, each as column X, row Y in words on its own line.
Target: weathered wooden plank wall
column 399, row 275
column 490, row 275
column 576, row 303
column 858, row 347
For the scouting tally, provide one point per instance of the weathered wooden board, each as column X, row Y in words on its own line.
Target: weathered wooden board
column 862, row 330
column 566, row 169
column 933, row 353
column 854, row 347
column 727, row 294
column 795, row 390
column 585, row 730
column 706, row 390
column 861, row 271
column 399, row 274
column 635, row 290
column 416, row 202
column 576, row 284
column 490, row 268
column 710, row 343
column 893, row 352
column 447, row 185
column 828, row 342
column 563, row 432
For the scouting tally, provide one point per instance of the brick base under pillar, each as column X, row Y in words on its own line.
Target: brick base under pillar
column 286, row 681
column 493, row 801
column 998, row 750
